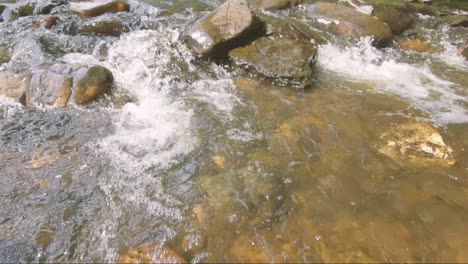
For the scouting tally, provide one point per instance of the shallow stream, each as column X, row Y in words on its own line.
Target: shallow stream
column 219, row 167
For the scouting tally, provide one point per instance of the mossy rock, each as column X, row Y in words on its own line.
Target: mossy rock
column 95, row 82
column 273, row 4
column 279, row 58
column 26, row 10
column 455, row 20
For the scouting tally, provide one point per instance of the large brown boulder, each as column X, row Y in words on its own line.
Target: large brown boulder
column 351, row 24
column 229, row 22
column 397, row 19
column 96, row 8
column 273, row 4
column 96, row 81
column 279, row 58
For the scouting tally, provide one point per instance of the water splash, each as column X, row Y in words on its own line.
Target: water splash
column 415, row 83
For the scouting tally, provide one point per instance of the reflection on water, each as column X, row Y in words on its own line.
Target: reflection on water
column 218, row 167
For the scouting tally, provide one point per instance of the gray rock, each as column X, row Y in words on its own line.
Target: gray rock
column 279, row 58
column 229, row 22
column 96, row 81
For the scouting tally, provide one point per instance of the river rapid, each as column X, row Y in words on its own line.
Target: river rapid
column 193, row 156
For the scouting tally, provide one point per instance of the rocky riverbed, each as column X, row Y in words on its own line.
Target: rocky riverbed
column 233, row 131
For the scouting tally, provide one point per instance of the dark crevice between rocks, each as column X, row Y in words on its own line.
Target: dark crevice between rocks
column 219, row 53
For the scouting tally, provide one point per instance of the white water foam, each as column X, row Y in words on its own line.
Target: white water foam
column 415, row 83
column 154, row 132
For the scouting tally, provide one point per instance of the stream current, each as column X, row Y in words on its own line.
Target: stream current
column 218, row 167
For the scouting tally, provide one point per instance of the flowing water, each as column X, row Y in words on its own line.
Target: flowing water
column 219, row 167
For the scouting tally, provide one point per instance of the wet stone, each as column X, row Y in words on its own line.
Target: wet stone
column 14, row 85
column 227, row 23
column 112, row 28
column 96, row 81
column 290, row 28
column 279, row 58
column 398, row 20
column 455, row 21
column 273, row 4
column 96, row 8
column 351, row 24
column 463, row 49
column 49, row 88
column 26, row 10
column 151, row 253
column 359, row 6
column 4, row 55
column 418, row 46
column 47, row 22
column 418, row 144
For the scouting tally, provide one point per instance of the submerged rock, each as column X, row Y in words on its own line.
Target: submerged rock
column 418, row 144
column 96, row 8
column 463, row 49
column 279, row 58
column 151, row 253
column 49, row 88
column 96, row 81
column 359, row 6
column 230, row 22
column 14, row 85
column 418, row 46
column 273, row 4
column 4, row 55
column 103, row 28
column 349, row 23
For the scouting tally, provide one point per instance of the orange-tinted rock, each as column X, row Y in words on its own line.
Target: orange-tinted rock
column 47, row 22
column 151, row 253
column 417, row 45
